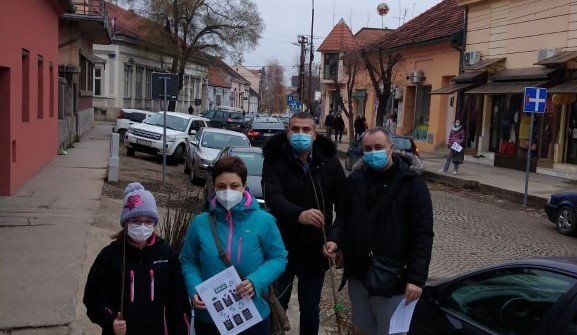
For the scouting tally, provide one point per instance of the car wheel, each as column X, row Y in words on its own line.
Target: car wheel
column 177, row 155
column 129, row 152
column 566, row 221
column 194, row 179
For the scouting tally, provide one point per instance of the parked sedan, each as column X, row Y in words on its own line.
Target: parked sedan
column 524, row 297
column 226, row 118
column 262, row 128
column 402, row 143
column 253, row 159
column 560, row 210
column 203, row 149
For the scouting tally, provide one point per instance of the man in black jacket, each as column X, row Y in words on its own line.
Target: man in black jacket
column 302, row 181
column 386, row 216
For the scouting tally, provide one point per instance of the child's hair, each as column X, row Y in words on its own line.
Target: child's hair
column 230, row 164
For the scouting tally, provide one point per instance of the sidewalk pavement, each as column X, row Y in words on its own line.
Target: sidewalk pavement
column 48, row 230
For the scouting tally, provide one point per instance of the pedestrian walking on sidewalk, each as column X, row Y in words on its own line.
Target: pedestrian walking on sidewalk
column 456, row 149
column 339, row 127
column 385, row 220
column 329, row 120
column 249, row 238
column 302, row 182
column 359, row 127
column 135, row 285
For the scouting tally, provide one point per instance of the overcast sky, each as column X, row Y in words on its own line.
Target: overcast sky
column 285, row 20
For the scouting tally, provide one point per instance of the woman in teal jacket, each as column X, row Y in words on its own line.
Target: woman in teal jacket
column 249, row 237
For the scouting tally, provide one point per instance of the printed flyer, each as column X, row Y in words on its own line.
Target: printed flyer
column 231, row 313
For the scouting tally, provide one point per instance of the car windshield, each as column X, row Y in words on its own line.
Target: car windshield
column 235, row 116
column 402, row 143
column 252, row 160
column 268, row 125
column 172, row 122
column 216, row 140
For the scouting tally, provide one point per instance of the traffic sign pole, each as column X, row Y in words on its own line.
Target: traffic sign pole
column 535, row 101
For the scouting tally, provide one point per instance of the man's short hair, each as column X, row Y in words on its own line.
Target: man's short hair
column 375, row 130
column 302, row 115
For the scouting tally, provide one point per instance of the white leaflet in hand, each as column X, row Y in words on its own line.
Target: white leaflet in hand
column 456, row 147
column 401, row 319
column 231, row 313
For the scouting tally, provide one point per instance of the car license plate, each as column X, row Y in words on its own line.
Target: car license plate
column 267, row 134
column 144, row 142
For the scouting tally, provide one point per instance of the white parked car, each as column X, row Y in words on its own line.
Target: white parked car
column 205, row 146
column 146, row 137
column 127, row 117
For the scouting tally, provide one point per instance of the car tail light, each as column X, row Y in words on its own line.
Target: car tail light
column 229, row 119
column 252, row 133
column 416, row 151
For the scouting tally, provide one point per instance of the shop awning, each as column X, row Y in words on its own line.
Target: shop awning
column 509, row 87
column 558, row 59
column 524, row 74
column 485, row 63
column 453, row 88
column 567, row 87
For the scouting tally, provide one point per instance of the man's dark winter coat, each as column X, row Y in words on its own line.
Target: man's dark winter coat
column 155, row 297
column 289, row 190
column 403, row 231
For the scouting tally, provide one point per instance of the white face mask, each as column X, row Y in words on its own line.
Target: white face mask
column 228, row 198
column 140, row 232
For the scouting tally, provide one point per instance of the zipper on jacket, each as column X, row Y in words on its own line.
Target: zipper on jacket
column 238, row 250
column 151, row 285
column 131, row 285
column 230, row 231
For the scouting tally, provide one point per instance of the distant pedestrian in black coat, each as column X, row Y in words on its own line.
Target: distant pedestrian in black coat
column 359, row 127
column 339, row 127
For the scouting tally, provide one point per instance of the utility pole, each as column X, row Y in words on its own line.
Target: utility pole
column 311, row 58
column 302, row 41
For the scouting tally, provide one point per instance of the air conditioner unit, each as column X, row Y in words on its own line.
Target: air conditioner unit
column 416, row 77
column 472, row 57
column 546, row 53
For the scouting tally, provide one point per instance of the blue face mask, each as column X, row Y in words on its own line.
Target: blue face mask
column 301, row 142
column 376, row 159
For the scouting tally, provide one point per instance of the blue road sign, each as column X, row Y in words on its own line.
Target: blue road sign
column 535, row 100
column 289, row 99
column 295, row 105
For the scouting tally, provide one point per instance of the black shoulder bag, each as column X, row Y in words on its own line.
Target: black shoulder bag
column 279, row 320
column 385, row 276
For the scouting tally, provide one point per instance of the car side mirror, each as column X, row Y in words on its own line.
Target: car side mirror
column 192, row 132
column 194, row 142
column 209, row 168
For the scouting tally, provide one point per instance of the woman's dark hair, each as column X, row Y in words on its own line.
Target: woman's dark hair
column 230, row 164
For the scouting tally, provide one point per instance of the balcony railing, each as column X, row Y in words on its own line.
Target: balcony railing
column 90, row 7
column 91, row 13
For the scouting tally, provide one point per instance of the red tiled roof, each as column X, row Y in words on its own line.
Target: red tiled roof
column 440, row 21
column 369, row 35
column 216, row 77
column 131, row 24
column 339, row 39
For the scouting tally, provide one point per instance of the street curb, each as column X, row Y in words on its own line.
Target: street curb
column 474, row 185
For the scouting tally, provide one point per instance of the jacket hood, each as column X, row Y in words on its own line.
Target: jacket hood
column 246, row 205
column 414, row 163
column 275, row 146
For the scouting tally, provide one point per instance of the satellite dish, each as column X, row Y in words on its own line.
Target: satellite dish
column 383, row 9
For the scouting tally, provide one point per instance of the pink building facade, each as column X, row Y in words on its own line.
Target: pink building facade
column 28, row 89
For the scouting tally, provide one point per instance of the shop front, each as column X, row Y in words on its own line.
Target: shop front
column 507, row 126
column 564, row 101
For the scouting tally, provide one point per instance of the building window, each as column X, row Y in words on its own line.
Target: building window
column 127, row 81
column 40, row 87
column 422, row 112
column 98, row 70
column 139, row 77
column 148, row 83
column 52, row 92
column 86, row 74
column 25, row 85
column 331, row 66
